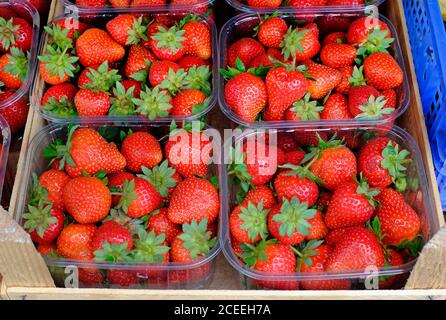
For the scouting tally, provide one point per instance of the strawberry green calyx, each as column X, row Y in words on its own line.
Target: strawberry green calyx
column 63, row 108
column 8, row 32
column 39, row 218
column 307, row 110
column 132, row 224
column 240, row 68
column 252, row 253
column 160, row 177
column 122, row 101
column 292, row 42
column 294, row 216
column 238, row 168
column 113, row 253
column 315, row 151
column 254, row 220
column 394, row 161
column 306, row 254
column 58, row 150
column 302, row 172
column 141, row 75
column 137, row 33
column 374, row 108
column 189, row 18
column 197, row 239
column 171, row 39
column 59, row 62
column 102, row 79
column 39, row 192
column 377, row 41
column 59, row 37
column 128, row 195
column 149, row 247
column 153, row 103
column 364, row 189
column 18, row 63
column 198, row 78
column 174, row 82
column 357, row 78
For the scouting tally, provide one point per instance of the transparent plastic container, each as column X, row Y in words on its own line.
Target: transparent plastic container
column 99, row 18
column 29, row 13
column 5, row 141
column 194, row 275
column 241, row 26
column 244, row 7
column 417, row 196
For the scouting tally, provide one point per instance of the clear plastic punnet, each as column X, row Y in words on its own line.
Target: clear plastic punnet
column 74, row 273
column 417, row 195
column 99, row 18
column 242, row 26
column 23, row 9
column 5, row 140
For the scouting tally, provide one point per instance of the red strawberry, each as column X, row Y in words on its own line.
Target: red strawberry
column 304, row 110
column 194, row 198
column 391, row 97
column 264, row 3
column 89, row 103
column 159, row 71
column 163, row 178
column 53, row 181
column 116, row 180
column 399, row 222
column 336, row 108
column 72, row 25
column 360, row 29
column 15, row 113
column 270, row 32
column 393, row 259
column 260, row 194
column 126, row 29
column 307, row 3
column 160, row 224
column 300, row 44
column 153, row 103
column 13, row 68
column 382, row 71
column 336, row 235
column 188, row 62
column 366, row 102
column 188, row 102
column 75, row 240
column 90, row 276
column 86, row 199
column 57, row 66
column 168, row 44
column 141, row 149
column 323, row 79
column 345, row 85
column 46, row 249
column 59, row 99
column 247, row 223
column 266, row 59
column 15, row 32
column 122, row 277
column 333, row 23
column 91, row 3
column 318, row 229
column 324, row 200
column 286, row 142
column 198, row 39
column 335, row 37
column 112, row 233
column 294, row 157
column 351, row 204
column 138, row 59
column 309, row 138
column 129, row 83
column 43, row 222
column 236, row 246
column 338, row 55
column 245, row 49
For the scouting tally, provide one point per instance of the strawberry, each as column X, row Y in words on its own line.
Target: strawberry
column 366, row 102
column 296, row 182
column 187, row 62
column 13, row 68
column 57, row 66
column 122, row 277
column 168, row 44
column 382, row 162
column 236, row 246
column 141, row 149
column 86, row 150
column 159, row 71
column 245, row 49
column 286, row 142
column 59, row 99
column 121, row 101
column 360, row 29
column 260, row 194
column 112, row 233
column 95, row 46
column 338, row 55
column 266, row 59
column 345, row 85
column 52, row 181
column 336, row 235
column 86, row 199
column 334, row 164
column 324, row 200
column 15, row 32
column 271, row 30
column 198, row 39
column 304, row 110
column 393, row 259
column 294, row 157
column 307, row 3
column 288, row 221
column 163, row 178
column 89, row 103
column 188, row 102
column 188, row 153
column 139, row 198
column 90, row 276
column 72, row 26
column 352, row 204
column 126, row 29
column 190, row 194
column 336, row 108
column 91, row 3
column 333, row 23
column 391, row 97
column 15, row 112
column 160, row 224
column 153, row 103
column 382, row 71
column 334, row 37
column 248, row 223
column 98, row 78
column 272, row 258
column 323, row 79
column 75, row 240
column 300, row 44
column 46, row 249
column 318, row 229
column 264, row 3
column 116, row 182
column 309, row 138
column 399, row 222
column 138, row 59
column 43, row 222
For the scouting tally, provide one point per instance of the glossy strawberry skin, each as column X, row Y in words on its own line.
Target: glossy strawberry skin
column 318, row 229
column 112, row 233
column 246, row 49
column 54, row 181
column 198, row 39
column 141, row 149
column 382, row 71
column 53, row 230
column 237, row 231
column 358, row 96
column 75, row 240
column 67, row 90
column 147, row 200
column 91, row 104
column 338, row 55
column 116, row 180
column 336, row 108
column 262, row 164
column 360, row 29
column 160, row 223
column 288, row 186
column 326, row 79
column 260, row 194
column 15, row 113
column 271, row 32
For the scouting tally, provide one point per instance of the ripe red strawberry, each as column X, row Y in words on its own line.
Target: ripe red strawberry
column 399, row 222
column 86, row 150
column 122, row 277
column 139, row 198
column 345, row 85
column 264, row 60
column 270, row 32
column 324, row 200
column 188, row 102
column 248, row 223
column 318, row 229
column 325, row 79
column 126, row 29
column 43, row 222
column 86, row 199
column 294, row 157
column 309, row 138
column 338, row 55
column 336, row 235
column 129, row 83
column 188, row 62
column 95, row 46
column 159, row 71
column 57, row 66
column 264, row 3
column 15, row 32
column 75, row 240
column 245, row 49
column 160, row 224
column 168, row 43
column 358, row 250
column 112, row 233
column 98, row 78
column 335, row 37
column 313, row 260
column 91, row 3
column 59, row 99
column 335, row 164
column 116, row 181
column 236, row 246
column 296, row 182
column 13, row 68
column 46, row 249
column 333, row 23
column 307, row 3
column 153, row 103
column 351, row 204
column 360, row 29
column 198, row 39
column 300, row 44
column 89, row 103
column 72, row 25
column 336, row 108
column 90, row 276
column 188, row 153
column 391, row 97
column 163, row 178
column 141, row 149
column 194, row 198
column 137, row 60
column 53, row 181
column 382, row 162
column 382, row 71
column 260, row 194
column 286, row 142
column 15, row 113
column 393, row 259
column 303, row 110
column 366, row 102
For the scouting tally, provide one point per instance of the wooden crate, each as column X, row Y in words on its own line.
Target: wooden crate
column 26, row 276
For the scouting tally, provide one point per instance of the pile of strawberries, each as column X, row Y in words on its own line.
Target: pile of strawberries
column 334, row 68
column 16, row 37
column 132, row 3
column 126, row 201
column 323, row 206
column 137, row 65
column 303, row 3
